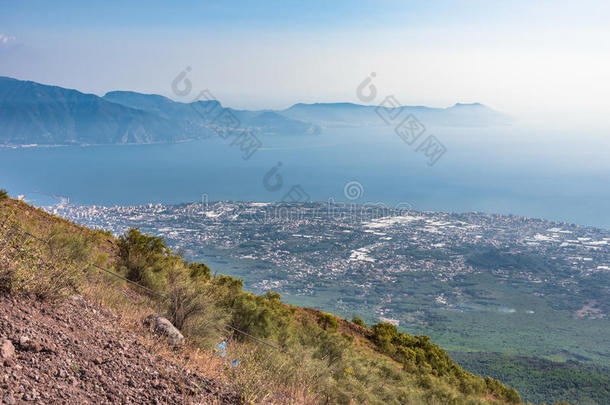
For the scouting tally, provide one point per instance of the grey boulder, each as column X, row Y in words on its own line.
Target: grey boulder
column 165, row 328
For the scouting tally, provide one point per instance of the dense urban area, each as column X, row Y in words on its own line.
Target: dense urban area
column 301, row 249
column 365, row 246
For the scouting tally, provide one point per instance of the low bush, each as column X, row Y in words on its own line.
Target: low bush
column 358, row 321
column 191, row 304
column 328, row 322
column 143, row 258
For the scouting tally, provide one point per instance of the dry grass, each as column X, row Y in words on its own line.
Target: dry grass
column 260, row 374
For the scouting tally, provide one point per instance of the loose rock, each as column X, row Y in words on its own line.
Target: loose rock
column 7, row 350
column 69, row 354
column 164, row 327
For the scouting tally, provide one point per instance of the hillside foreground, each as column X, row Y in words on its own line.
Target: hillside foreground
column 78, row 336
column 75, row 352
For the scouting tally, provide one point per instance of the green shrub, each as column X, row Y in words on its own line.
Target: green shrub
column 199, row 270
column 257, row 315
column 510, row 394
column 3, row 194
column 104, row 233
column 143, row 258
column 328, row 322
column 358, row 321
column 192, row 304
column 384, row 335
column 273, row 296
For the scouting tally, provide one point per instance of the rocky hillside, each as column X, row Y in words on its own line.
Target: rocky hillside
column 77, row 353
column 73, row 302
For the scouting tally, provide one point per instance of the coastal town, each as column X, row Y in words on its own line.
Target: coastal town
column 367, row 257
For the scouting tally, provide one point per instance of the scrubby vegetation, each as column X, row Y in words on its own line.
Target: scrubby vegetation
column 358, row 321
column 309, row 356
column 418, row 355
column 189, row 299
column 50, row 270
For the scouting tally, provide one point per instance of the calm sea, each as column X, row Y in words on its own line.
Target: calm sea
column 503, row 170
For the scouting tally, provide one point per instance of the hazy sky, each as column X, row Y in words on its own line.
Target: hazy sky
column 546, row 60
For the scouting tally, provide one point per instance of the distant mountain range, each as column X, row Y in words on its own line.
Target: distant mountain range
column 35, row 114
column 349, row 114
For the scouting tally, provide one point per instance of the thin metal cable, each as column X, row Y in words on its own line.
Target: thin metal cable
column 157, row 293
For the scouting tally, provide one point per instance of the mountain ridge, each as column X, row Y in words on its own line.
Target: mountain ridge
column 31, row 113
column 38, row 114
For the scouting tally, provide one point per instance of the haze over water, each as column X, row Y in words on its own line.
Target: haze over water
column 507, row 170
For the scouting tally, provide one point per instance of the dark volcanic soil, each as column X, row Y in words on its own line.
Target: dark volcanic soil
column 74, row 353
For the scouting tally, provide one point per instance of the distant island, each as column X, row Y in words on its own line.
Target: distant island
column 34, row 114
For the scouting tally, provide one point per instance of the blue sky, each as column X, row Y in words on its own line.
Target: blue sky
column 543, row 60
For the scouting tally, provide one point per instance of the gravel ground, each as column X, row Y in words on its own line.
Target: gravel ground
column 74, row 353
